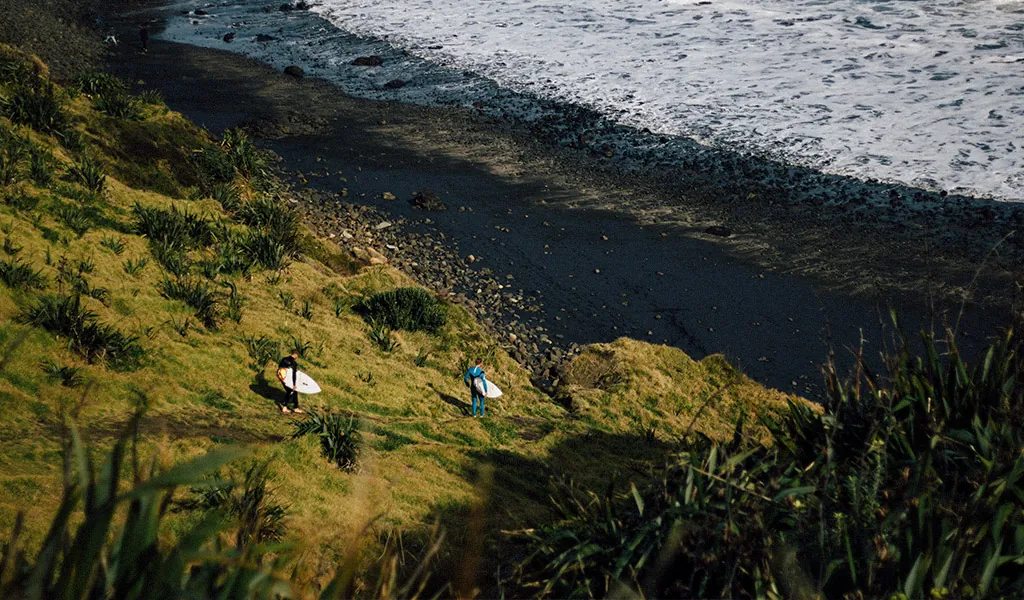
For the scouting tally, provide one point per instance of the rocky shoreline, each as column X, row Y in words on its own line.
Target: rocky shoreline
column 509, row 314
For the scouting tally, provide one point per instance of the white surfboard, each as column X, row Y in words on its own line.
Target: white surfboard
column 304, row 384
column 493, row 391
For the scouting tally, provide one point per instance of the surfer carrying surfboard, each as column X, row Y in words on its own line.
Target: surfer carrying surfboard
column 291, row 396
column 477, row 382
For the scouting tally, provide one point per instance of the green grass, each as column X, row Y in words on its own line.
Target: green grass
column 191, row 208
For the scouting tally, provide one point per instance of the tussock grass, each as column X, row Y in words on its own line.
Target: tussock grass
column 408, row 308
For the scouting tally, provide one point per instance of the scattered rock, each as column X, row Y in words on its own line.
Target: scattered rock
column 394, row 84
column 200, row 12
column 264, row 38
column 382, row 225
column 368, row 61
column 287, row 8
column 387, row 196
column 427, row 200
column 719, row 230
column 295, row 71
column 229, row 37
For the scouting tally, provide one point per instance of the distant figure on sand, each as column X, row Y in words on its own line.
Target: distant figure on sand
column 144, row 37
column 476, row 372
column 291, row 397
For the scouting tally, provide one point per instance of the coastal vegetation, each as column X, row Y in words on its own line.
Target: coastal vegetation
column 152, row 272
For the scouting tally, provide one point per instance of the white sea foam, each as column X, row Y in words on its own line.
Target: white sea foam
column 924, row 92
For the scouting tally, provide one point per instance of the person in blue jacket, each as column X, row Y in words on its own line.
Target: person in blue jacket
column 476, row 372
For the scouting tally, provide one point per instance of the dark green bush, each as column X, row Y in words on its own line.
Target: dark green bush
column 41, row 167
column 381, row 337
column 339, row 436
column 66, row 375
column 409, row 308
column 199, row 295
column 19, row 276
column 40, row 109
column 908, row 484
column 213, row 166
column 265, row 250
column 245, row 157
column 275, row 238
column 100, row 84
column 227, row 195
column 174, row 227
column 88, row 173
column 135, row 266
column 73, row 217
column 64, row 315
column 151, row 97
column 249, row 505
column 14, row 151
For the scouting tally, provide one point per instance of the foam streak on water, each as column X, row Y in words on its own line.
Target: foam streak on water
column 928, row 93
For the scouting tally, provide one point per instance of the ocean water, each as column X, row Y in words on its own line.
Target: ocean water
column 926, row 93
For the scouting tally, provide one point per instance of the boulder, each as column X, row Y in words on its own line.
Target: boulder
column 719, row 230
column 265, row 38
column 368, row 61
column 287, row 8
column 394, row 84
column 200, row 12
column 295, row 72
column 229, row 37
column 427, row 200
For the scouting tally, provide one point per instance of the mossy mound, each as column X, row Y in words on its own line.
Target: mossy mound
column 658, row 390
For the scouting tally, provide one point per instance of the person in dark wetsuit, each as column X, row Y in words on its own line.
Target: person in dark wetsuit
column 291, row 397
column 144, row 37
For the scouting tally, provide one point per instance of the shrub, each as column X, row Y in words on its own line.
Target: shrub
column 306, row 312
column 119, row 105
column 115, row 245
column 230, row 257
column 67, row 376
column 213, row 166
column 10, row 248
column 266, row 251
column 135, row 266
column 339, row 437
column 41, row 167
column 40, row 109
column 179, row 229
column 261, row 350
column 100, row 84
column 907, row 485
column 74, row 218
column 200, row 295
column 64, row 315
column 250, row 505
column 14, row 150
column 89, row 174
column 173, row 257
column 409, row 308
column 245, row 157
column 21, row 201
column 18, row 276
column 151, row 97
column 381, row 337
column 236, row 302
column 227, row 195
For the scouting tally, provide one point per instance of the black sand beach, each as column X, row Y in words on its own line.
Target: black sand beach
column 539, row 224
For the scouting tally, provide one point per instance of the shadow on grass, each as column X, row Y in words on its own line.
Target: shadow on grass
column 514, row 493
column 262, row 388
column 463, row 406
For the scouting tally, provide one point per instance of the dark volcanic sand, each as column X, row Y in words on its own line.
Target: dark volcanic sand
column 599, row 274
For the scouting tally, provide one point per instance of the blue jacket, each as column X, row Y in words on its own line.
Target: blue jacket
column 475, row 373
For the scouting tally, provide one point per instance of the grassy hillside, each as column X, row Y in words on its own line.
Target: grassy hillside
column 146, row 264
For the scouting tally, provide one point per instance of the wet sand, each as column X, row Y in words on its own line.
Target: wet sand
column 601, row 256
